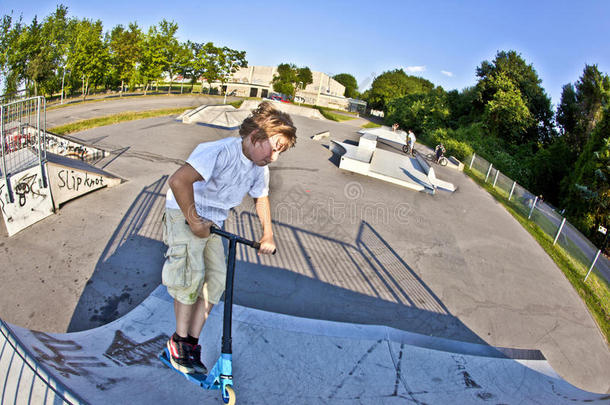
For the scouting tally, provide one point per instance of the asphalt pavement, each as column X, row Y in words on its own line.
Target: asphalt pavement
column 352, row 249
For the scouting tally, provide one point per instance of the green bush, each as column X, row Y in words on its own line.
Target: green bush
column 461, row 150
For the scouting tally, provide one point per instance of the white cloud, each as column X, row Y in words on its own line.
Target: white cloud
column 414, row 69
column 447, row 73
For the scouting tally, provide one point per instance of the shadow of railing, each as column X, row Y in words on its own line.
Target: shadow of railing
column 320, row 277
column 128, row 269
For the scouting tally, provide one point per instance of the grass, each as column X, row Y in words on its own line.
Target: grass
column 370, row 125
column 331, row 115
column 114, row 119
column 595, row 292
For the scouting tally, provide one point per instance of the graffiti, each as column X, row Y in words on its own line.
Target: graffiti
column 2, row 199
column 65, row 356
column 125, row 352
column 72, row 150
column 71, row 180
column 461, row 366
column 27, row 185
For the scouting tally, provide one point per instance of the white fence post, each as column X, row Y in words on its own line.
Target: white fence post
column 472, row 160
column 511, row 191
column 488, row 171
column 593, row 264
column 533, row 206
column 563, row 221
column 496, row 178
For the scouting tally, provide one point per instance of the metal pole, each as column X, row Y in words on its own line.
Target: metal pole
column 532, row 209
column 593, row 264
column 488, row 171
column 511, row 190
column 559, row 231
column 472, row 160
column 496, row 178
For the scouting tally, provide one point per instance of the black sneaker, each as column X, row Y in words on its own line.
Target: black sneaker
column 180, row 356
column 199, row 367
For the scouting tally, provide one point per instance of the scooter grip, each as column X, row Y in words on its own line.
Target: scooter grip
column 257, row 246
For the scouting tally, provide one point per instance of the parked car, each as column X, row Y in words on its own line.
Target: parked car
column 279, row 97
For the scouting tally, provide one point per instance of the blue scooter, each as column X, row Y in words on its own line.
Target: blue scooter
column 221, row 376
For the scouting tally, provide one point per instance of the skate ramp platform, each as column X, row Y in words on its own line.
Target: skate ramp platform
column 72, row 178
column 276, row 359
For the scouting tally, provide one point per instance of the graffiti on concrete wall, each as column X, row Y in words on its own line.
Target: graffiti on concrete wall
column 65, row 147
column 27, row 187
column 24, row 200
column 78, row 181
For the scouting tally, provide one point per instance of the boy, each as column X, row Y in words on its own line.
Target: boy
column 215, row 179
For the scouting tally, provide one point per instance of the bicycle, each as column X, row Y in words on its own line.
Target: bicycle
column 442, row 160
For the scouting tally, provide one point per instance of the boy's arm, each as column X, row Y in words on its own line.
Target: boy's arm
column 263, row 210
column 181, row 183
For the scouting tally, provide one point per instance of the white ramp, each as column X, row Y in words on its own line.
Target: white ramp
column 277, row 359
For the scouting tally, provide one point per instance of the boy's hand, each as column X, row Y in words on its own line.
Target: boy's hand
column 201, row 227
column 267, row 245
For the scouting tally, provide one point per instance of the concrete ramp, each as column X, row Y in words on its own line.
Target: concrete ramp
column 276, row 359
column 71, row 178
column 26, row 199
column 217, row 116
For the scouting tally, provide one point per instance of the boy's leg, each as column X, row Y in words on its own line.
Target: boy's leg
column 199, row 315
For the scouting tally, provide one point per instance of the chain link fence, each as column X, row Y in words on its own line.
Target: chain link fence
column 582, row 252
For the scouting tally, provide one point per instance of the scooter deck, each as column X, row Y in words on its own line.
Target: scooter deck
column 196, row 378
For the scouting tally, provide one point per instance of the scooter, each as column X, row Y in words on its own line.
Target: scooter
column 221, row 376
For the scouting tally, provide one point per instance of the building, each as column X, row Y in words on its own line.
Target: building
column 256, row 81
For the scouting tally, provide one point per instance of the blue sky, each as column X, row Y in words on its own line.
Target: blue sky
column 442, row 41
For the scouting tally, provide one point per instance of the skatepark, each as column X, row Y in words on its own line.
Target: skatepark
column 378, row 293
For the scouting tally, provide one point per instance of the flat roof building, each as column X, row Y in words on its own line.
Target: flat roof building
column 256, row 81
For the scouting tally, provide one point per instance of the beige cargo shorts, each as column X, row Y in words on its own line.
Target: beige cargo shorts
column 194, row 267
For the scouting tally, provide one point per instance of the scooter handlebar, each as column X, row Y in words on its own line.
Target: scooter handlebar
column 238, row 239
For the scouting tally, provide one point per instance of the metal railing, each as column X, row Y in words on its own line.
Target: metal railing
column 22, row 137
column 579, row 249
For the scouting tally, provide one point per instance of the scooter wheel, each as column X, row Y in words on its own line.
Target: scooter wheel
column 230, row 395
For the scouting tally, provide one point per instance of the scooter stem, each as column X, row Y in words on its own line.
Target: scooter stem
column 228, row 309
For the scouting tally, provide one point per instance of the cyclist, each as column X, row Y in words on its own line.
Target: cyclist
column 440, row 151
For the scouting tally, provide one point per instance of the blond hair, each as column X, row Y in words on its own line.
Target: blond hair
column 265, row 122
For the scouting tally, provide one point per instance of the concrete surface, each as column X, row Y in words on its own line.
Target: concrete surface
column 352, row 249
column 283, row 359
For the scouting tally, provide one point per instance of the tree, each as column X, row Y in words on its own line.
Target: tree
column 587, row 188
column 206, row 63
column 289, row 79
column 152, row 61
column 170, row 48
column 124, row 48
column 349, row 81
column 88, row 57
column 509, row 67
column 421, row 112
column 395, row 84
column 581, row 106
column 229, row 60
column 506, row 113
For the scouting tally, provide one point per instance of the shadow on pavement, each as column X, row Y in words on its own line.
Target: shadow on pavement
column 129, row 267
column 360, row 281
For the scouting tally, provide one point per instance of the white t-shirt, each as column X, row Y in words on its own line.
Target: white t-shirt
column 411, row 138
column 227, row 176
